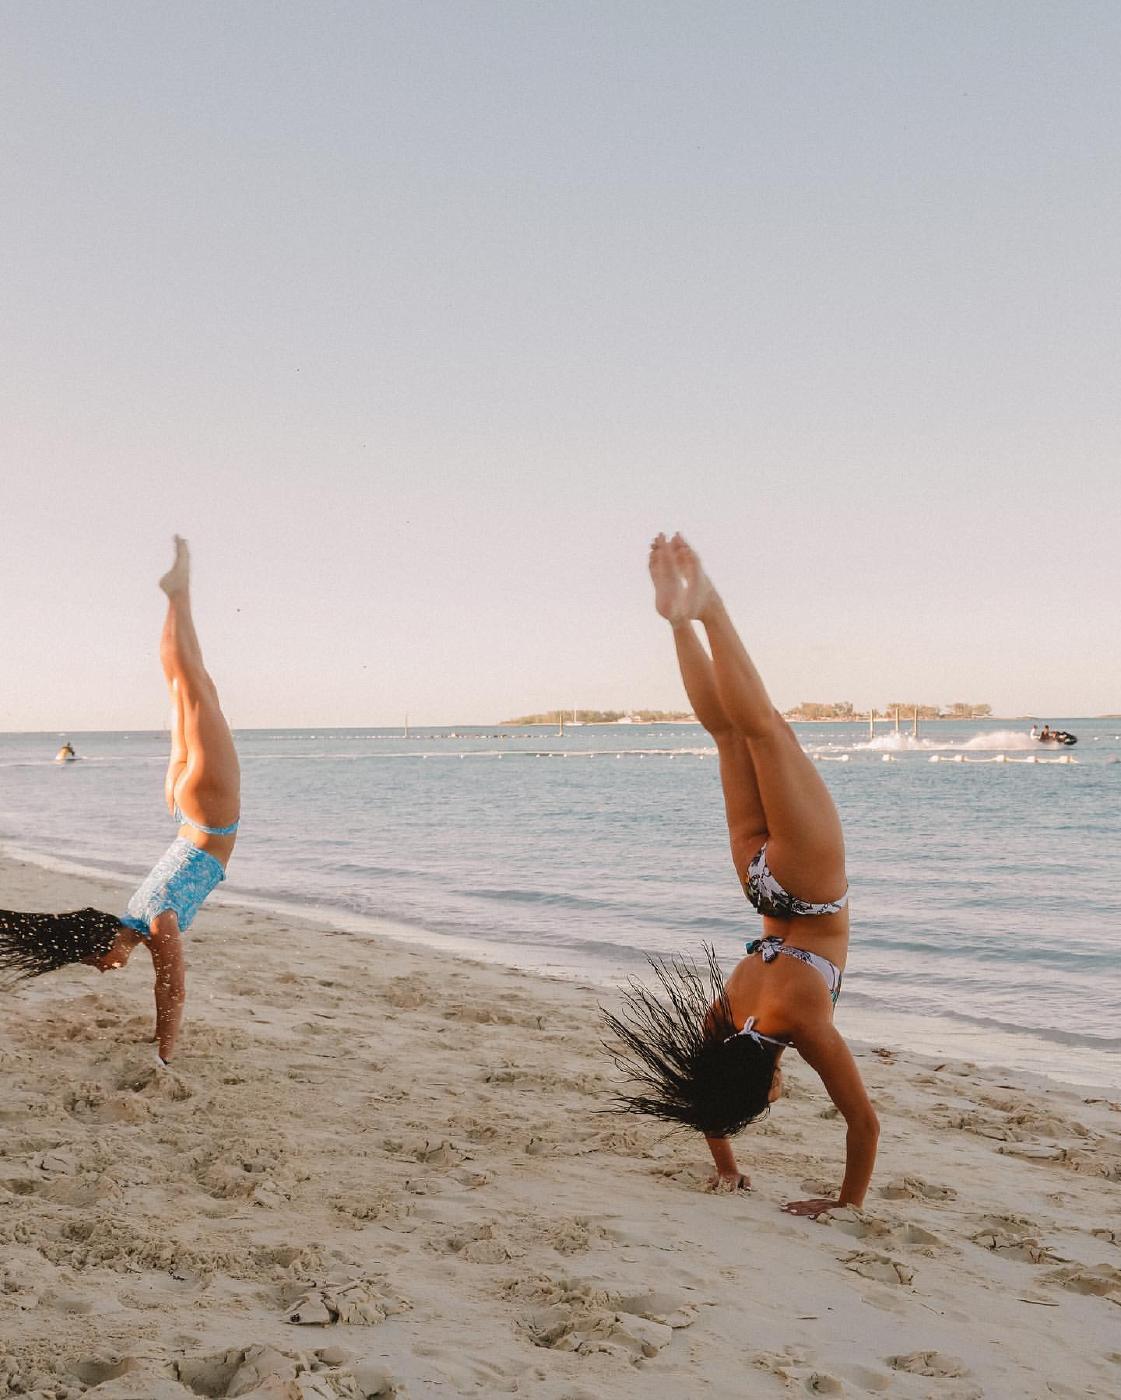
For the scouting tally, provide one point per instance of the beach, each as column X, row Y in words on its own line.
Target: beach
column 376, row 1168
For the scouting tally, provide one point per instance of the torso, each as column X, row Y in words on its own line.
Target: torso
column 220, row 847
column 770, row 991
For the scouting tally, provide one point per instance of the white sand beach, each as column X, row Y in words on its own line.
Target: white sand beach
column 375, row 1169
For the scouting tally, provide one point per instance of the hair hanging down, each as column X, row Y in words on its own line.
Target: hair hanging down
column 31, row 944
column 684, row 1053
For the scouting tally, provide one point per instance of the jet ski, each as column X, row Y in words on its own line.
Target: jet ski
column 1056, row 736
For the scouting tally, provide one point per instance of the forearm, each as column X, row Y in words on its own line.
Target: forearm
column 723, row 1157
column 170, row 996
column 860, row 1158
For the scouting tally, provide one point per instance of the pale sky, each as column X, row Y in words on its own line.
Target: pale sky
column 420, row 319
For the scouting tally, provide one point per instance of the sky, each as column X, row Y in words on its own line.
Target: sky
column 419, row 320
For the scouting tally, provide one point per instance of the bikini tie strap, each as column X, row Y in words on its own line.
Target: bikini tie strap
column 767, row 948
column 748, row 1030
column 752, row 1034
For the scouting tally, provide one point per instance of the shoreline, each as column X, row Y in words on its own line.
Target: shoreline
column 865, row 1021
column 409, row 1151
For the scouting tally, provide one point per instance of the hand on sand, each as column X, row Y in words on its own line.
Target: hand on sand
column 178, row 577
column 811, row 1208
column 729, row 1181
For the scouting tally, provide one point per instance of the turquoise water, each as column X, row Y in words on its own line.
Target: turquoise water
column 984, row 871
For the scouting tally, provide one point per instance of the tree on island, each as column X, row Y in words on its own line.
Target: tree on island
column 810, row 710
column 603, row 717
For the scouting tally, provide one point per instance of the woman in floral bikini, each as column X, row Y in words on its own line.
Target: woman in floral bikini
column 708, row 1053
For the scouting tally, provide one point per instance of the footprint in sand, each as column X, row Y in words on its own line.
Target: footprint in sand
column 913, row 1188
column 929, row 1363
column 880, row 1267
column 790, row 1365
column 408, row 994
column 862, row 1226
column 1097, row 1280
column 483, row 1244
column 566, row 1315
column 262, row 1373
column 97, row 1370
column 371, row 1203
column 782, row 1364
column 1009, row 1237
column 358, row 1302
column 865, row 1378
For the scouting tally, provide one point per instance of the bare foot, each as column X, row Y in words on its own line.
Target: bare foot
column 698, row 594
column 178, row 577
column 669, row 595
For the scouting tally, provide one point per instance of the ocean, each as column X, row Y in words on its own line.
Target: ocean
column 985, row 870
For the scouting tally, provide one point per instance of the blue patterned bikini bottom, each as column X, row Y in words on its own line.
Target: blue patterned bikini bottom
column 179, row 881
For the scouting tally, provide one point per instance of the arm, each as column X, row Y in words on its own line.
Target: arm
column 822, row 1046
column 166, row 948
column 727, row 1176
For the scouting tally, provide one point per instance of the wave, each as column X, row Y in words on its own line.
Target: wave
column 993, row 741
column 697, row 752
column 618, row 909
column 1056, row 1035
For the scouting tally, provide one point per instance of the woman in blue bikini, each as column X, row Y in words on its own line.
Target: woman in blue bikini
column 203, row 790
column 708, row 1054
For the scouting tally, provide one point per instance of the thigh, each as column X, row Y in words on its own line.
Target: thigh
column 743, row 806
column 805, row 843
column 211, row 780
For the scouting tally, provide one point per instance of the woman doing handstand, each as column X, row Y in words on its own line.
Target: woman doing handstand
column 202, row 788
column 710, row 1057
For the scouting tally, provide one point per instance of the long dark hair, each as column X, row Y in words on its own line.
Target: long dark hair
column 682, row 1051
column 31, row 944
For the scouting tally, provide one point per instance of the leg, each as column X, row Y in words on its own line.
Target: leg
column 805, row 844
column 208, row 785
column 177, row 760
column 747, row 824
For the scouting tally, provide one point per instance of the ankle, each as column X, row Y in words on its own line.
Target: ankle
column 713, row 609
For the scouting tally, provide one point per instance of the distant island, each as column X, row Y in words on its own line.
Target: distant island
column 840, row 711
column 605, row 717
column 906, row 709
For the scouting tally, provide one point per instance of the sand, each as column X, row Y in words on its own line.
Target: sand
column 376, row 1169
